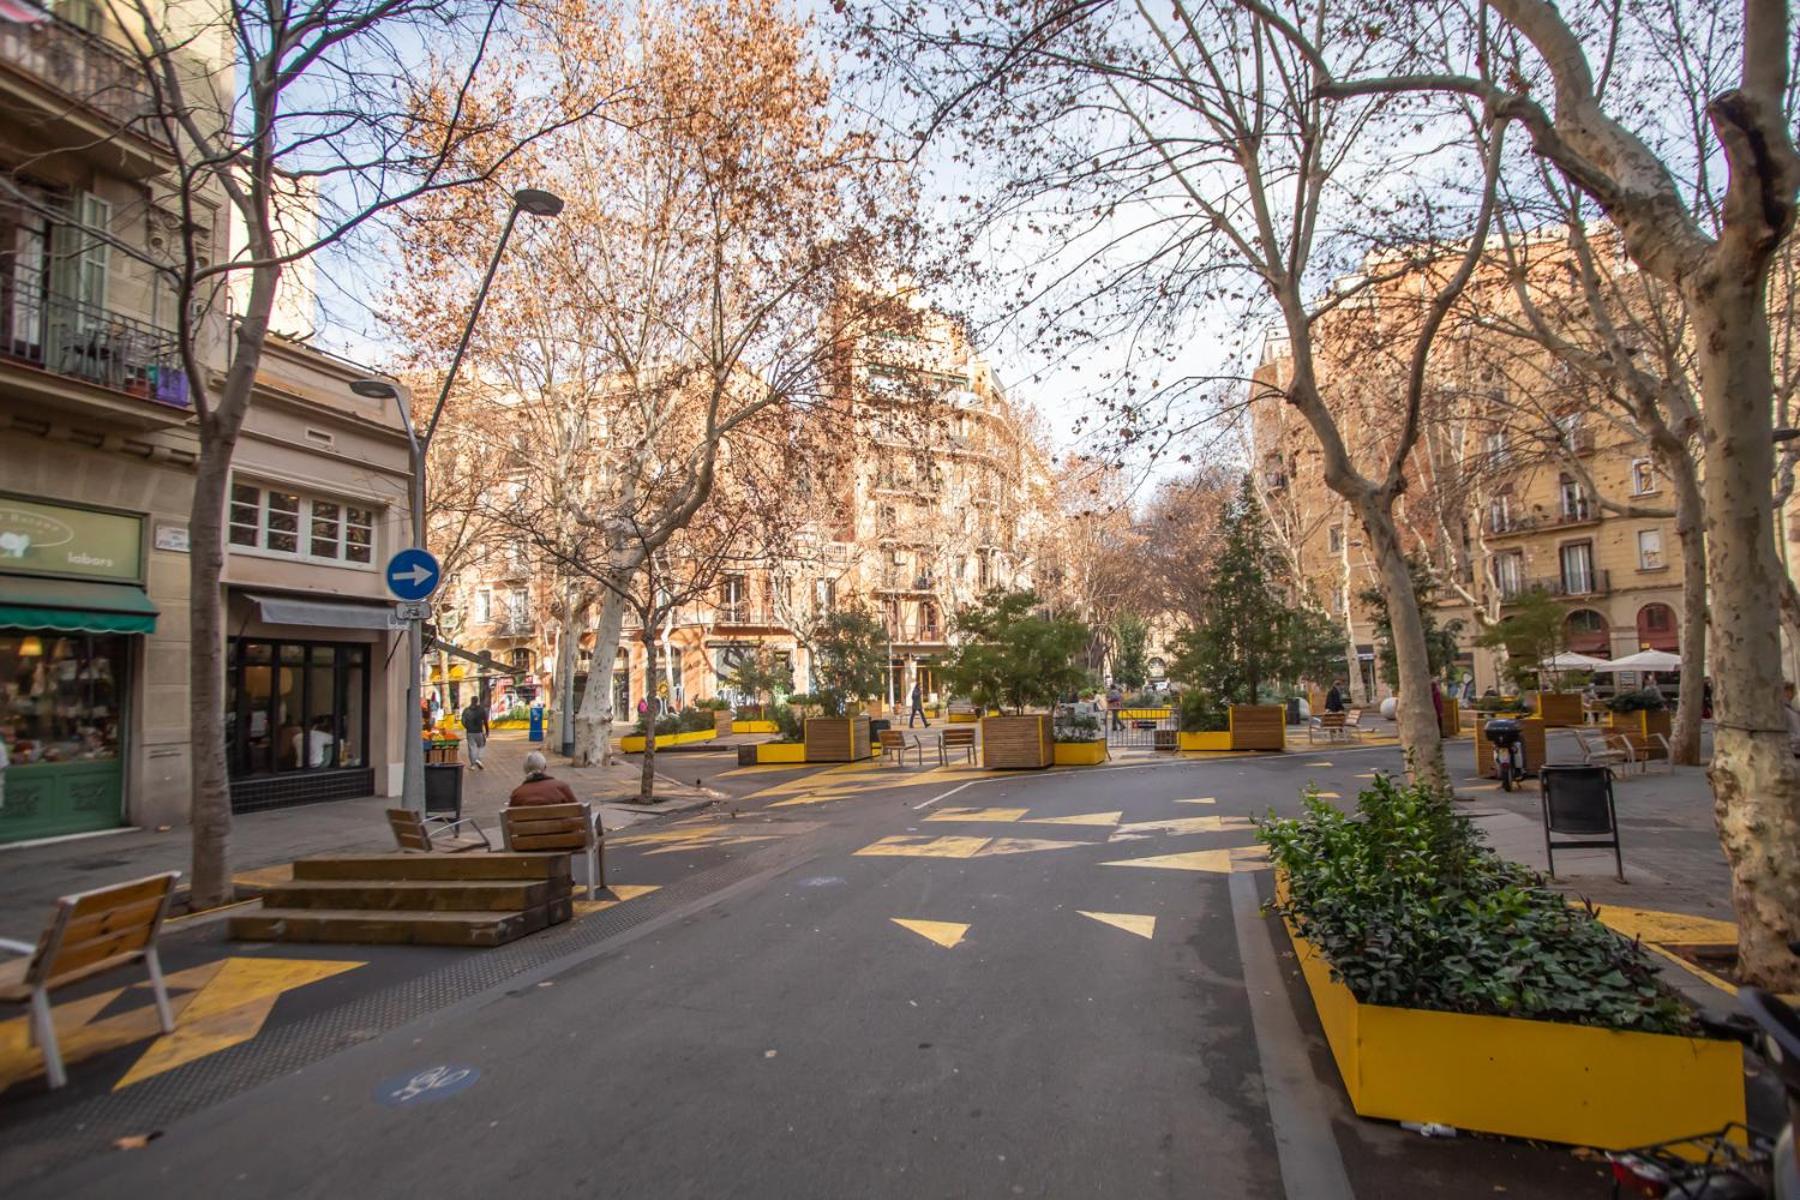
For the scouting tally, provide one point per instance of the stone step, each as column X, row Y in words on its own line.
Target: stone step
column 471, row 867
column 427, row 895
column 379, row 927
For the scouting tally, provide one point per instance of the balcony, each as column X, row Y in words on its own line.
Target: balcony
column 1592, row 583
column 61, row 338
column 74, row 91
column 900, row 581
column 743, row 616
column 512, row 626
column 1511, row 525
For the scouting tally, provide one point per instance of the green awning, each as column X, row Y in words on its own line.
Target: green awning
column 74, row 606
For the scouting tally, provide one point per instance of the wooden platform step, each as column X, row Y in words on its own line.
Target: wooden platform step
column 370, row 927
column 418, row 895
column 458, row 867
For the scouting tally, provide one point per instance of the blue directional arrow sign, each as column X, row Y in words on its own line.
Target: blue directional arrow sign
column 413, row 574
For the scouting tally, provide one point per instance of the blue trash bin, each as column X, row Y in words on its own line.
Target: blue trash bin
column 537, row 722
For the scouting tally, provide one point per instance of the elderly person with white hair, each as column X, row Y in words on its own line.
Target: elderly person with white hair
column 538, row 787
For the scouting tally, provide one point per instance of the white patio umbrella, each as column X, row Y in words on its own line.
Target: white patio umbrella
column 1568, row 660
column 1646, row 660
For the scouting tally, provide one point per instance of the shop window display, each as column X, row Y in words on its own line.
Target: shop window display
column 61, row 696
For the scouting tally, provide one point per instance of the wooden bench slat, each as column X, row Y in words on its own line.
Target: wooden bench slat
column 99, row 924
column 122, row 946
column 155, row 887
column 563, row 841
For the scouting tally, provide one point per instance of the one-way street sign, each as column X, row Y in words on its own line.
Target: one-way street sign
column 412, row 574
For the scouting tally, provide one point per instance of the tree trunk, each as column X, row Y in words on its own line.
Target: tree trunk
column 1353, row 679
column 1414, row 713
column 647, row 779
column 594, row 724
column 210, row 882
column 1755, row 794
column 566, row 649
column 1684, row 742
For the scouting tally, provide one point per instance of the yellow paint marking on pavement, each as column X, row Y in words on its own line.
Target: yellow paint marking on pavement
column 1174, row 826
column 1217, row 862
column 915, row 846
column 1201, row 800
column 265, row 876
column 230, row 1009
column 1328, row 795
column 945, row 933
column 77, row 1033
column 1105, row 818
column 1025, row 846
column 1143, row 926
column 999, row 815
column 621, row 892
column 1319, row 764
column 1669, row 928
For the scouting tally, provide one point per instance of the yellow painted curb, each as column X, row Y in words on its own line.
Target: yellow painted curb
column 1545, row 1080
column 781, row 752
column 1203, row 741
column 633, row 744
column 1078, row 754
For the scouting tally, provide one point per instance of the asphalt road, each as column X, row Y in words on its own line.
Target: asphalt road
column 896, row 992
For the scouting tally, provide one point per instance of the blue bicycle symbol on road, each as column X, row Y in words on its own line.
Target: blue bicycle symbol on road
column 433, row 1083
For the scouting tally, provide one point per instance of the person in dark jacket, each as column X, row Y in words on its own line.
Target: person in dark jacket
column 538, row 787
column 1334, row 699
column 475, row 731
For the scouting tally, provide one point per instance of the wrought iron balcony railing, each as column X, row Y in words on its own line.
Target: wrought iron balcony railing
column 83, row 66
column 84, row 341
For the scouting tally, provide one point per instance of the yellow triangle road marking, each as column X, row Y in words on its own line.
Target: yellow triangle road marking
column 1328, row 795
column 1174, row 826
column 1201, row 800
column 1105, row 818
column 911, row 846
column 1218, row 862
column 945, row 933
column 978, row 814
column 1318, row 764
column 1026, row 846
column 1141, row 925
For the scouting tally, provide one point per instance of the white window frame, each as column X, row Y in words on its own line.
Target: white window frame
column 484, row 606
column 303, row 533
column 1647, row 465
column 1662, row 561
column 1516, row 561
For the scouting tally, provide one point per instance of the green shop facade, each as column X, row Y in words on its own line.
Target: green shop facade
column 74, row 616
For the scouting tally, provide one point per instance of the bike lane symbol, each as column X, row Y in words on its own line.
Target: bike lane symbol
column 423, row 1087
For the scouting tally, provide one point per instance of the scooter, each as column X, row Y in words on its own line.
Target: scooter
column 1507, row 737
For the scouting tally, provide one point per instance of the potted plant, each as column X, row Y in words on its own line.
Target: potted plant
column 1079, row 742
column 1205, row 722
column 1641, row 716
column 1015, row 655
column 850, row 663
column 762, row 674
column 1454, row 987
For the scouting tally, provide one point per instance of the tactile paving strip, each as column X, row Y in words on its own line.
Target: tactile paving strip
column 38, row 1144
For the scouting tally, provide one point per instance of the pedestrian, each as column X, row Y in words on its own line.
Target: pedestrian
column 539, row 787
column 643, row 711
column 475, row 731
column 918, row 707
column 1115, row 700
column 437, row 709
column 1437, row 702
column 1334, row 699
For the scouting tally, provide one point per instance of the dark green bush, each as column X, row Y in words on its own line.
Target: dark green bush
column 1410, row 910
column 694, row 720
column 789, row 722
column 1078, row 729
column 664, row 725
column 1642, row 700
column 1203, row 712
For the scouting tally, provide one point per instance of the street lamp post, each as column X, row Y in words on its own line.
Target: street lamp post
column 539, row 204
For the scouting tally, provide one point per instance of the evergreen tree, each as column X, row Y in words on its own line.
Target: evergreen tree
column 850, row 659
column 1440, row 640
column 1131, row 665
column 1012, row 653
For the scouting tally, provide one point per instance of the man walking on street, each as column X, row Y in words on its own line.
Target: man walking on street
column 1114, row 700
column 1334, row 699
column 475, row 731
column 918, row 708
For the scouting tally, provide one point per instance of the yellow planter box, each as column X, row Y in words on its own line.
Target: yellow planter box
column 634, row 744
column 1204, row 741
column 1145, row 714
column 963, row 718
column 755, row 727
column 1545, row 1080
column 1078, row 754
column 781, row 752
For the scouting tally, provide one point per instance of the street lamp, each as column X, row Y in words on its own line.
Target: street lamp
column 538, row 203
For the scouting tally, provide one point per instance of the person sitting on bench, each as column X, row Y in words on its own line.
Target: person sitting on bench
column 538, row 787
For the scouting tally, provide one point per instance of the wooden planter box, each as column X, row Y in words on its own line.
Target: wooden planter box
column 837, row 739
column 1078, row 754
column 1450, row 720
column 1204, row 741
column 1638, row 726
column 1575, row 1084
column 724, row 722
column 1016, row 742
column 1560, row 710
column 1258, row 727
column 1534, row 746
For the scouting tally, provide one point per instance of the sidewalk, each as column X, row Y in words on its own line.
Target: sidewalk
column 32, row 877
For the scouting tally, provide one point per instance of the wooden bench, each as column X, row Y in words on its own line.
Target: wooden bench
column 91, row 932
column 418, row 833
column 894, row 747
column 1330, row 724
column 1600, row 749
column 960, row 740
column 565, row 828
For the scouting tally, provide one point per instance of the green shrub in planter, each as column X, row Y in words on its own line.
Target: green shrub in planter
column 1203, row 712
column 789, row 723
column 1079, row 729
column 1411, row 911
column 1642, row 700
column 694, row 719
column 664, row 725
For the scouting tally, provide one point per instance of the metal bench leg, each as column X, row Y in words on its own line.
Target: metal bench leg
column 46, row 1038
column 164, row 1016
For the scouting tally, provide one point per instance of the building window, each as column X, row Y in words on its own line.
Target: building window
column 276, row 521
column 1656, row 628
column 1336, row 536
column 295, row 706
column 1495, row 446
column 824, row 595
column 484, row 606
column 1574, row 499
column 63, row 698
column 1500, row 513
column 1578, row 568
column 1643, row 477
column 1509, row 573
column 1586, row 632
column 1650, row 550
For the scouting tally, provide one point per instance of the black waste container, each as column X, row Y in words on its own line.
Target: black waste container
column 1293, row 710
column 876, row 725
column 443, row 790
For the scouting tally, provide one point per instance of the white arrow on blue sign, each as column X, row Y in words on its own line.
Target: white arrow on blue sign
column 412, row 574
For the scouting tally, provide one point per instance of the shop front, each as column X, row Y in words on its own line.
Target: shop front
column 73, row 617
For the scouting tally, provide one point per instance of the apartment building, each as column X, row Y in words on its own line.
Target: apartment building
column 97, row 450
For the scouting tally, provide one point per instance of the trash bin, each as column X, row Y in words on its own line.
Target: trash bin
column 1293, row 710
column 876, row 725
column 537, row 723
column 443, row 790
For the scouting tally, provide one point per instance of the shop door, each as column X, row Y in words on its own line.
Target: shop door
column 62, row 711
